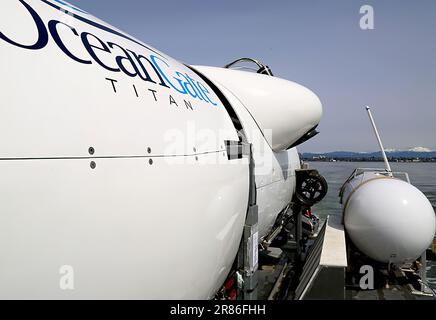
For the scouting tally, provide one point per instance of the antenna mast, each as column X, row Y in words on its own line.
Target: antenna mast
column 388, row 167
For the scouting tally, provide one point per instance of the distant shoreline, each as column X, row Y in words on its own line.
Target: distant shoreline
column 408, row 156
column 393, row 160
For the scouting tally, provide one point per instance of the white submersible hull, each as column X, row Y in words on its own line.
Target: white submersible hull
column 114, row 169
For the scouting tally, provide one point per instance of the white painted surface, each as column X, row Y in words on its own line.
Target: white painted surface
column 274, row 171
column 284, row 110
column 129, row 229
column 80, row 107
column 388, row 219
column 334, row 250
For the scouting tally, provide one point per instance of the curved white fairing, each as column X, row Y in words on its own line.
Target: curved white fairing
column 274, row 171
column 284, row 110
column 388, row 219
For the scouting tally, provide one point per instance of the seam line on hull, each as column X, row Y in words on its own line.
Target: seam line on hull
column 110, row 157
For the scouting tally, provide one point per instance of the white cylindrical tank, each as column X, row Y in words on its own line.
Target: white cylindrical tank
column 388, row 219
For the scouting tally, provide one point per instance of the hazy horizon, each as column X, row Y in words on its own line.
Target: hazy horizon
column 318, row 44
column 373, row 150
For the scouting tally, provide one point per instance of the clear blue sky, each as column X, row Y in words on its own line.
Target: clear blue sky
column 316, row 43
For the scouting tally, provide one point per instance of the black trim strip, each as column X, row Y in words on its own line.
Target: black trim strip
column 227, row 105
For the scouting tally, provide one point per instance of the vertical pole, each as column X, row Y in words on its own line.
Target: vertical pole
column 299, row 232
column 385, row 159
column 423, row 271
column 248, row 251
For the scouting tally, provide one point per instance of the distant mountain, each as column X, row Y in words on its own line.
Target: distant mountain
column 421, row 149
column 417, row 152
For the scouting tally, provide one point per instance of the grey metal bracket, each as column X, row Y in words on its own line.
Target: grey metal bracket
column 249, row 250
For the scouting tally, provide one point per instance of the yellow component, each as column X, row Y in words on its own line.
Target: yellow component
column 433, row 246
